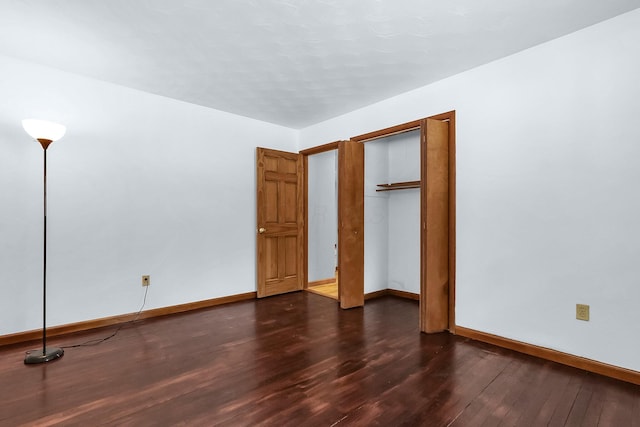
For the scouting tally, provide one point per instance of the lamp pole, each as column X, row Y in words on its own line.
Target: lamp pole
column 51, row 353
column 44, row 253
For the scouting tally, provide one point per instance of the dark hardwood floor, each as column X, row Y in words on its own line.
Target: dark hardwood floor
column 298, row 360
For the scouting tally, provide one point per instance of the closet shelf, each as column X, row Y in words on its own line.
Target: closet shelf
column 398, row 186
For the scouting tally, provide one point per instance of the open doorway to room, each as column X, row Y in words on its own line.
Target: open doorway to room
column 339, row 183
column 322, row 223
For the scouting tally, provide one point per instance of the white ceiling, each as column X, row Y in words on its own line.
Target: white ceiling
column 289, row 62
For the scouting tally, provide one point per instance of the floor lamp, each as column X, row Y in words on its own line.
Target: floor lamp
column 45, row 133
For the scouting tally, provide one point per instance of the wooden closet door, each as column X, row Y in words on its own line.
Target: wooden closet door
column 434, row 311
column 351, row 223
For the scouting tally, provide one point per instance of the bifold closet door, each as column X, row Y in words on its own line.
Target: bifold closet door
column 434, row 307
column 351, row 223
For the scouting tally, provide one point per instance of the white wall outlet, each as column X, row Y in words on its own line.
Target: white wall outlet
column 146, row 280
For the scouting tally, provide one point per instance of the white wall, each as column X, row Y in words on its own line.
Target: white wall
column 547, row 188
column 323, row 215
column 376, row 217
column 140, row 184
column 404, row 213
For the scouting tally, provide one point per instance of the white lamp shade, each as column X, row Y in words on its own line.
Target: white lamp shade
column 42, row 129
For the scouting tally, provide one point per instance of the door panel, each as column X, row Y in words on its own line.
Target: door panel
column 271, row 209
column 279, row 241
column 434, row 317
column 351, row 223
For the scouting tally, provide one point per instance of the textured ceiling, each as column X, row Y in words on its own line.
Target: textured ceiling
column 289, row 62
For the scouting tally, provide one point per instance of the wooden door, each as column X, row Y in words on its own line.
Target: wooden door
column 351, row 223
column 280, row 245
column 434, row 250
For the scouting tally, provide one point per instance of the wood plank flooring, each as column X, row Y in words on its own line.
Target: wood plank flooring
column 327, row 290
column 298, row 360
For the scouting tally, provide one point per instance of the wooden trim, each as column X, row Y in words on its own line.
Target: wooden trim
column 123, row 318
column 403, row 294
column 305, row 221
column 451, row 117
column 322, row 282
column 300, row 212
column 392, row 292
column 376, row 294
column 393, row 130
column 305, row 189
column 553, row 355
column 320, row 148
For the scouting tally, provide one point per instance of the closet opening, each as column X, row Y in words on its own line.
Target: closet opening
column 436, row 225
column 392, row 215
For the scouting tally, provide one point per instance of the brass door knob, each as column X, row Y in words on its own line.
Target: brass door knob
column 261, row 230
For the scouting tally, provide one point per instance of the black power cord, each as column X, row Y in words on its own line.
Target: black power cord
column 122, row 325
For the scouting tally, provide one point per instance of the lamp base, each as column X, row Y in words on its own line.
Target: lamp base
column 39, row 356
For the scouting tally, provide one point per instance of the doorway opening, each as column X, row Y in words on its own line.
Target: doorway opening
column 344, row 179
column 321, row 172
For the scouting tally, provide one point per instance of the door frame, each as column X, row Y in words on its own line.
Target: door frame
column 350, row 219
column 305, row 200
column 420, row 124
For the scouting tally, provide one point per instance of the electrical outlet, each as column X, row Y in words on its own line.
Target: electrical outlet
column 146, row 280
column 582, row 312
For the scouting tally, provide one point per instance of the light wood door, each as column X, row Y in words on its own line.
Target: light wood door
column 351, row 223
column 280, row 243
column 434, row 312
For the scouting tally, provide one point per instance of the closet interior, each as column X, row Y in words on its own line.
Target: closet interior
column 392, row 213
